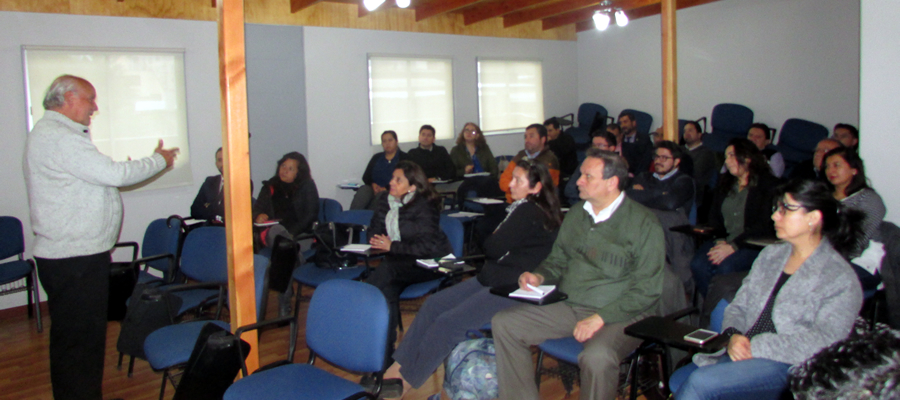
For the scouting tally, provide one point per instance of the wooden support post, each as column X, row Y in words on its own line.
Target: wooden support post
column 669, row 71
column 236, row 151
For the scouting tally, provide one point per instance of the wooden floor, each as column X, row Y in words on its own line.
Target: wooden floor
column 24, row 369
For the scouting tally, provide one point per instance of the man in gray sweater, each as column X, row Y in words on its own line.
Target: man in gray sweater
column 76, row 214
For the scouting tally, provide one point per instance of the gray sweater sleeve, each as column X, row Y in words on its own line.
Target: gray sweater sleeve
column 85, row 162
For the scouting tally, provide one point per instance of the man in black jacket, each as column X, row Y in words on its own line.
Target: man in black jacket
column 637, row 148
column 667, row 188
column 563, row 146
column 210, row 201
column 433, row 159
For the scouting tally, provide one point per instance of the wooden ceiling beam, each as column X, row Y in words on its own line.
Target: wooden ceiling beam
column 534, row 14
column 433, row 8
column 297, row 5
column 495, row 9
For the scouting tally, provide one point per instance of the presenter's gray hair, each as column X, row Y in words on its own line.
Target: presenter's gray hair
column 56, row 94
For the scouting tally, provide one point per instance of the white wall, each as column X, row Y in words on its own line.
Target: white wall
column 879, row 118
column 782, row 58
column 337, row 87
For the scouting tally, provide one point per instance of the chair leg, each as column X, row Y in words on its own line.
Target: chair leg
column 399, row 317
column 162, row 388
column 29, row 286
column 633, row 374
column 37, row 300
column 538, row 369
column 119, row 364
column 130, row 366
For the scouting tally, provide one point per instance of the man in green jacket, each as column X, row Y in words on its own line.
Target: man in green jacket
column 609, row 259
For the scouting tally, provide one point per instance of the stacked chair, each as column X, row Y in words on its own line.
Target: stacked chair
column 728, row 121
column 798, row 141
column 12, row 244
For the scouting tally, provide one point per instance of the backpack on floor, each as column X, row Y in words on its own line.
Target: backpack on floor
column 470, row 372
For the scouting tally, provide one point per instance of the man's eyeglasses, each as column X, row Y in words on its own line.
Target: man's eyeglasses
column 782, row 207
column 664, row 158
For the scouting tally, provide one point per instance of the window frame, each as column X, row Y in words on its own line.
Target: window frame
column 487, row 131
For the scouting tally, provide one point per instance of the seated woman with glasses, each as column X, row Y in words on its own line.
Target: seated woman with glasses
column 740, row 204
column 472, row 155
column 518, row 245
column 800, row 296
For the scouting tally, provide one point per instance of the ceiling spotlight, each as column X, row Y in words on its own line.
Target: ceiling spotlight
column 621, row 18
column 371, row 5
column 601, row 20
column 403, row 3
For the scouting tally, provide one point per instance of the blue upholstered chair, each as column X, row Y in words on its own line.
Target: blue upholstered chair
column 170, row 347
column 328, row 209
column 728, row 121
column 310, row 274
column 797, row 141
column 12, row 244
column 588, row 113
column 347, row 325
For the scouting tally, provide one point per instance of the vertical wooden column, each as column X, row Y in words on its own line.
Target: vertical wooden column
column 236, row 151
column 669, row 71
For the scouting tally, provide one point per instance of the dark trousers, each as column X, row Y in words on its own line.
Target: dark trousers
column 391, row 277
column 77, row 293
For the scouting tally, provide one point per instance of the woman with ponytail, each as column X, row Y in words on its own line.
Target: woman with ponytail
column 800, row 296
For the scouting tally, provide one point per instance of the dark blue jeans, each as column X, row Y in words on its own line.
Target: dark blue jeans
column 704, row 270
column 756, row 378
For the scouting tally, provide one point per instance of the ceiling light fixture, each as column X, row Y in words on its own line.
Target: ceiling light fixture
column 621, row 18
column 403, row 3
column 371, row 5
column 601, row 20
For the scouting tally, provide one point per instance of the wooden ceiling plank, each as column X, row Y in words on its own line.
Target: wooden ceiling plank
column 431, row 9
column 586, row 13
column 495, row 9
column 657, row 9
column 534, row 14
column 297, row 5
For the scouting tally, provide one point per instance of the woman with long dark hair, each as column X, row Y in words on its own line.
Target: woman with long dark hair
column 741, row 201
column 847, row 179
column 472, row 153
column 799, row 297
column 518, row 245
column 291, row 197
column 406, row 225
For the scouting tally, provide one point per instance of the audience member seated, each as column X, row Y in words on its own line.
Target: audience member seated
column 378, row 173
column 848, row 135
column 519, row 244
column 741, row 202
column 472, row 155
column 667, row 188
column 761, row 136
column 617, row 131
column 847, row 178
column 637, row 148
column 406, row 225
column 433, row 159
column 703, row 157
column 291, row 198
column 868, row 368
column 812, row 168
column 536, row 150
column 799, row 297
column 603, row 140
column 609, row 259
column 209, row 204
column 563, row 146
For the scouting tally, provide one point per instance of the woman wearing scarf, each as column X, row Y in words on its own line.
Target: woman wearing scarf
column 406, row 225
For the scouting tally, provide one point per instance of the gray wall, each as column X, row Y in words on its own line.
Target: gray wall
column 276, row 98
column 783, row 59
column 337, row 91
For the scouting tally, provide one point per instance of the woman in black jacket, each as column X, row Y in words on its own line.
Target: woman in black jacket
column 518, row 245
column 740, row 208
column 291, row 197
column 406, row 225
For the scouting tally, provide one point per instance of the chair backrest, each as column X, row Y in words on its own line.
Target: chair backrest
column 890, row 271
column 12, row 241
column 503, row 162
column 798, row 139
column 161, row 237
column 718, row 314
column 204, row 257
column 728, row 121
column 455, row 232
column 587, row 112
column 328, row 209
column 358, row 217
column 347, row 324
column 644, row 120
